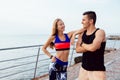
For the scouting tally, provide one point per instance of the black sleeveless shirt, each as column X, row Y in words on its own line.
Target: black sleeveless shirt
column 93, row 61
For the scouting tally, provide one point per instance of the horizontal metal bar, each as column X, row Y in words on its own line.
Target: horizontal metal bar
column 16, row 66
column 20, row 65
column 43, row 71
column 22, row 72
column 16, row 73
column 20, row 47
column 18, row 58
column 43, row 65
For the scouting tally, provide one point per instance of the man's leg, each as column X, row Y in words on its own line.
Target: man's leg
column 83, row 74
column 90, row 75
column 99, row 75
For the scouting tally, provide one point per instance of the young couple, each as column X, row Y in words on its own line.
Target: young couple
column 91, row 42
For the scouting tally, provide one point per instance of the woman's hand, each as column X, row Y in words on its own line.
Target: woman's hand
column 53, row 59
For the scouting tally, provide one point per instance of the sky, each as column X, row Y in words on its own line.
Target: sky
column 20, row 17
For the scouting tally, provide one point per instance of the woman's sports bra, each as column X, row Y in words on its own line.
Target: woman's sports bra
column 62, row 45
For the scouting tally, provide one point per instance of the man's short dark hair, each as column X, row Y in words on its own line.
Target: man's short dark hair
column 91, row 15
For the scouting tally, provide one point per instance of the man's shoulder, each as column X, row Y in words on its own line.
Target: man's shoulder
column 100, row 31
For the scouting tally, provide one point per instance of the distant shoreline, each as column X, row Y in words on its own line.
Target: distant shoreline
column 113, row 37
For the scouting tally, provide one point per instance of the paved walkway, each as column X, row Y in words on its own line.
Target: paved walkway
column 112, row 63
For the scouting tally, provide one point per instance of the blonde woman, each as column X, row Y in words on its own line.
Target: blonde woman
column 61, row 42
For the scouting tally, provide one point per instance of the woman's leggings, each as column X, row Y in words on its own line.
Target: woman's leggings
column 58, row 70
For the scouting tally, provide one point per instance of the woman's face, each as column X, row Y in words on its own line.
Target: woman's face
column 60, row 26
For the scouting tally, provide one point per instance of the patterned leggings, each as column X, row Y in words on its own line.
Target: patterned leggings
column 57, row 71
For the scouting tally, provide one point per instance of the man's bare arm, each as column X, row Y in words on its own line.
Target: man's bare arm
column 79, row 48
column 99, row 37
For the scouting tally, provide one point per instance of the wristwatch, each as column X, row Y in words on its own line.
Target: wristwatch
column 51, row 56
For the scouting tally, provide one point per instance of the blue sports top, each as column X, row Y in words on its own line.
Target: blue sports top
column 62, row 45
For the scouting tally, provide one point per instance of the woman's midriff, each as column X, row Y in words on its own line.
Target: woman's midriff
column 62, row 55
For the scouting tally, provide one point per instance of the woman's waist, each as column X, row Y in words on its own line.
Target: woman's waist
column 59, row 61
column 65, row 52
column 62, row 57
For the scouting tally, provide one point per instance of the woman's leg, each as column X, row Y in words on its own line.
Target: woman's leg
column 62, row 72
column 61, row 75
column 52, row 71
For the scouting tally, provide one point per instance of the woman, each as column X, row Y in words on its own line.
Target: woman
column 61, row 42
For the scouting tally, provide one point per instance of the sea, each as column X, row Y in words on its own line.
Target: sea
column 8, row 69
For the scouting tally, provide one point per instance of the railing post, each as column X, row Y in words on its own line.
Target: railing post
column 72, row 54
column 36, row 62
column 114, row 44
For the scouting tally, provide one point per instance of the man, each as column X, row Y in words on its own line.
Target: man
column 92, row 44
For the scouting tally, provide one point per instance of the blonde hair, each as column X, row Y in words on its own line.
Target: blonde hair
column 55, row 26
column 54, row 30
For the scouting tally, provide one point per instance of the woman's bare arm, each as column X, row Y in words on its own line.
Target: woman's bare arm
column 76, row 33
column 44, row 48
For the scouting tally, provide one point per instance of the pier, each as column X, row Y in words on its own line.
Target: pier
column 112, row 63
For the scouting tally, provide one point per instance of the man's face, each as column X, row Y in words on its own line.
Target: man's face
column 85, row 21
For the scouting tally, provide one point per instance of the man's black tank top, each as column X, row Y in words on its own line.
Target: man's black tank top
column 93, row 61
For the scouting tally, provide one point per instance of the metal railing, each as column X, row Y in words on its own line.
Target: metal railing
column 20, row 58
column 35, row 63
